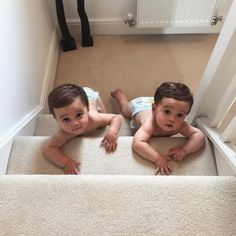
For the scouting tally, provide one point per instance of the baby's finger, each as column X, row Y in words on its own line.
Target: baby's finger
column 170, row 167
column 76, row 171
column 157, row 170
column 162, row 172
column 114, row 145
column 178, row 158
column 167, row 171
column 108, row 147
column 175, row 157
column 111, row 147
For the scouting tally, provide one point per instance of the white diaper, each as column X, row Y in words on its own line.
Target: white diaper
column 139, row 104
column 91, row 94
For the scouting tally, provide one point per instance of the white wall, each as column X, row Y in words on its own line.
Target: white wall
column 28, row 47
column 107, row 17
column 102, row 9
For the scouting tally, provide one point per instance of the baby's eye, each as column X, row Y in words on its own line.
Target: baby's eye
column 66, row 120
column 180, row 115
column 167, row 111
column 79, row 114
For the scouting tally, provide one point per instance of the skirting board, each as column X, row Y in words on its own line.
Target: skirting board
column 26, row 125
column 118, row 27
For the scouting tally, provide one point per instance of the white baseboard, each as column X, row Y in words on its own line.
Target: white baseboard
column 26, row 125
column 118, row 27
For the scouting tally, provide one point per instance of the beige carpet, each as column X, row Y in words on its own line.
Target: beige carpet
column 27, row 157
column 117, row 205
column 137, row 64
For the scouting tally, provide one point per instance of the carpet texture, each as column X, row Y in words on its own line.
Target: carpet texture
column 117, row 205
column 27, row 158
column 46, row 125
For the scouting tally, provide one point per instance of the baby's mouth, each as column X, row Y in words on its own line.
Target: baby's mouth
column 169, row 125
column 76, row 129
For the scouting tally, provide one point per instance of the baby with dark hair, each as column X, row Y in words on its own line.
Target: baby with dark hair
column 161, row 115
column 78, row 111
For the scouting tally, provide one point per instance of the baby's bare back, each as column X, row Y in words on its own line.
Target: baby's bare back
column 141, row 117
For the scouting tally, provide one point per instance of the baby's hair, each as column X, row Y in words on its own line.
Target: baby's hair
column 174, row 90
column 64, row 95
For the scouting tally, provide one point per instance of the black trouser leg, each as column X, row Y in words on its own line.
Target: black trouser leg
column 68, row 43
column 87, row 40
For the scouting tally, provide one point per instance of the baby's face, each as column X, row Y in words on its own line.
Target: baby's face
column 170, row 113
column 73, row 118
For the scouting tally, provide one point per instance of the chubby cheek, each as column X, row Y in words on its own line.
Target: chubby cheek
column 160, row 119
column 65, row 127
column 178, row 123
column 84, row 122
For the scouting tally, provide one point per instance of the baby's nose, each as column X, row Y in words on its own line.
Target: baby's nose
column 172, row 118
column 76, row 122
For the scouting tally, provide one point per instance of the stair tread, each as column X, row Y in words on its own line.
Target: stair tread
column 26, row 157
column 46, row 125
column 118, row 205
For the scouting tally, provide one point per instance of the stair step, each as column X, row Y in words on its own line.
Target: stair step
column 117, row 205
column 46, row 125
column 26, row 157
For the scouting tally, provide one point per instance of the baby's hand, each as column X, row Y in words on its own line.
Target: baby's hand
column 71, row 167
column 177, row 153
column 163, row 167
column 110, row 141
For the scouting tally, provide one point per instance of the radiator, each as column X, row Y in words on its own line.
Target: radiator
column 175, row 13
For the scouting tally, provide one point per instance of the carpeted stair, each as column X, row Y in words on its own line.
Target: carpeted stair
column 119, row 205
column 116, row 194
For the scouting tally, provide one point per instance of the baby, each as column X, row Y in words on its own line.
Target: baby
column 162, row 115
column 78, row 112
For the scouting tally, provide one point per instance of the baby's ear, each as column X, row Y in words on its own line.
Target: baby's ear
column 154, row 106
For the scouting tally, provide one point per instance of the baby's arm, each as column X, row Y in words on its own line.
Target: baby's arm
column 52, row 150
column 110, row 138
column 141, row 146
column 196, row 140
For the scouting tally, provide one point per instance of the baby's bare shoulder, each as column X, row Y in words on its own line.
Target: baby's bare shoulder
column 147, row 129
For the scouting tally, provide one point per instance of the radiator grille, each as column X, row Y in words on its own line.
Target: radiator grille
column 174, row 13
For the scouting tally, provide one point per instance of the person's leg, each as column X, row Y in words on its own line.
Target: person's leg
column 101, row 107
column 123, row 102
